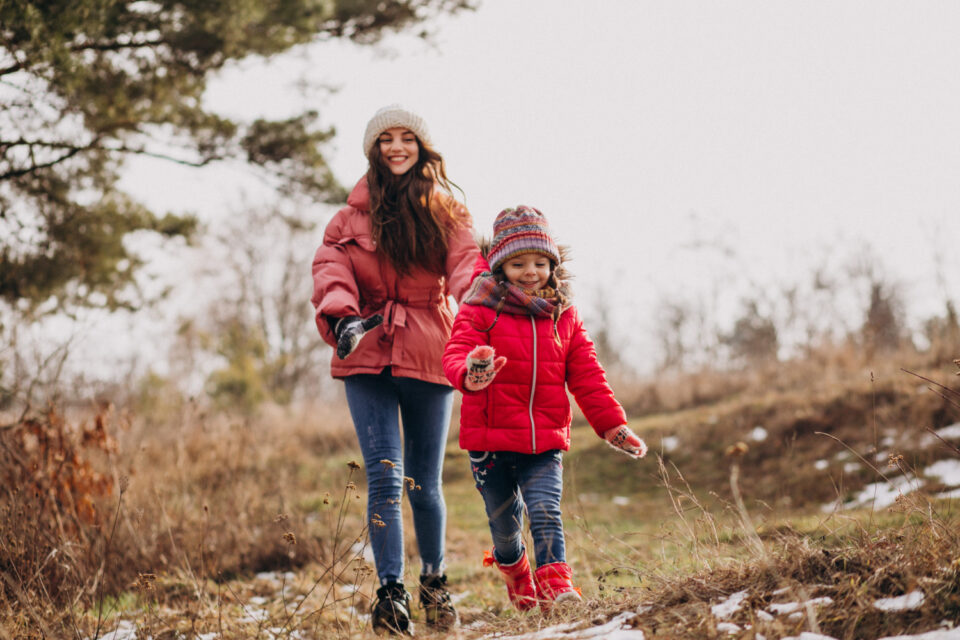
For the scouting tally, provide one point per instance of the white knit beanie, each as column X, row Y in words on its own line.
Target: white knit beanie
column 390, row 116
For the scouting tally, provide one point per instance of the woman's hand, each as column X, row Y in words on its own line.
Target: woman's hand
column 350, row 329
column 482, row 366
column 623, row 439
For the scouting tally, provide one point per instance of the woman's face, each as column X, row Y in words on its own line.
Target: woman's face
column 529, row 271
column 399, row 149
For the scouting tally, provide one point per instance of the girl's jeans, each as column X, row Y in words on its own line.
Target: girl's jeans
column 425, row 407
column 510, row 481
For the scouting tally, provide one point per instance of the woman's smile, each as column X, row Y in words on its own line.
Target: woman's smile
column 400, row 149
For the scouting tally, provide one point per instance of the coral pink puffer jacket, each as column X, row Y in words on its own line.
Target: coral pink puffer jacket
column 525, row 408
column 351, row 279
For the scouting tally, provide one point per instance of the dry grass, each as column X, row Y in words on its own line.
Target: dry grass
column 242, row 526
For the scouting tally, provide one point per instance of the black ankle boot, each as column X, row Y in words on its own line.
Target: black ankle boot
column 436, row 603
column 391, row 610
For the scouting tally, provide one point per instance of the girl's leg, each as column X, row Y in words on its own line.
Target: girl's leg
column 541, row 483
column 374, row 402
column 495, row 474
column 425, row 408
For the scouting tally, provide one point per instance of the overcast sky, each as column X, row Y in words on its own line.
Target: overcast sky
column 787, row 132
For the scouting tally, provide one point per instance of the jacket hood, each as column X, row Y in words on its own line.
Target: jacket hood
column 359, row 197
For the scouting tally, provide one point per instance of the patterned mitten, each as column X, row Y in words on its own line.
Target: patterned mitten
column 623, row 439
column 350, row 329
column 482, row 366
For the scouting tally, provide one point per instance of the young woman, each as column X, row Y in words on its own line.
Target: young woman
column 518, row 345
column 382, row 277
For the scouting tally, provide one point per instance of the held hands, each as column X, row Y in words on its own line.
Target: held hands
column 350, row 329
column 623, row 439
column 482, row 366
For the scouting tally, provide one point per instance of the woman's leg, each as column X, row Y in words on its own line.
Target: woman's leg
column 425, row 409
column 541, row 484
column 495, row 477
column 374, row 401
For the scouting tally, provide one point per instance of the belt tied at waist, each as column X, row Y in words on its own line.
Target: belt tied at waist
column 395, row 310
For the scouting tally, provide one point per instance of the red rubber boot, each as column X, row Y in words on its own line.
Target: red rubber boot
column 555, row 585
column 523, row 594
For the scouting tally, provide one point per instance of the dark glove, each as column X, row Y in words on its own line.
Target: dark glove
column 350, row 329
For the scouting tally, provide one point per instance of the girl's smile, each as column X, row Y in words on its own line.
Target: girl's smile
column 529, row 271
column 399, row 149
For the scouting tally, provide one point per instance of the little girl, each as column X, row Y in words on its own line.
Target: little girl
column 517, row 346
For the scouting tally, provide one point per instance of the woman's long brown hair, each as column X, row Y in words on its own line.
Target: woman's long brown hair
column 411, row 229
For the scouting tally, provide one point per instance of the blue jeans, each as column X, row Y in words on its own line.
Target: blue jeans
column 510, row 481
column 374, row 402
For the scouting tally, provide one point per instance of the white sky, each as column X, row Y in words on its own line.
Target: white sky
column 787, row 131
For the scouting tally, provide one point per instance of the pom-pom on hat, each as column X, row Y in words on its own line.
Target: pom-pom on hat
column 521, row 230
column 390, row 116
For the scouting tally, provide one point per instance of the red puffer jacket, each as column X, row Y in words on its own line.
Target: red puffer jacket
column 525, row 408
column 350, row 279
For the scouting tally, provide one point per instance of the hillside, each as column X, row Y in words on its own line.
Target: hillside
column 774, row 511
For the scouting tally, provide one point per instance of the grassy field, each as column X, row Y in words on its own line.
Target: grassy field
column 748, row 519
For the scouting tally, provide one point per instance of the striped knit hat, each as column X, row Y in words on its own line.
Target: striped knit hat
column 394, row 115
column 521, row 230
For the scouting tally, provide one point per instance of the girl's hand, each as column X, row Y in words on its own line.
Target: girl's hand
column 623, row 439
column 482, row 366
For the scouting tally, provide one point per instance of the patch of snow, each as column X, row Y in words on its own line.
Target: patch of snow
column 258, row 600
column 911, row 600
column 780, row 608
column 615, row 629
column 830, row 507
column 843, row 454
column 928, row 440
column 729, row 627
column 670, row 443
column 820, row 465
column 887, row 441
column 729, row 606
column 457, row 597
column 881, row 456
column 620, row 501
column 759, row 434
column 365, row 550
column 948, row 471
column 851, row 467
column 954, row 493
column 213, row 635
column 949, row 634
column 255, row 615
column 362, row 617
column 950, row 432
column 274, row 576
column 809, row 635
column 126, row 630
column 883, row 494
column 764, row 616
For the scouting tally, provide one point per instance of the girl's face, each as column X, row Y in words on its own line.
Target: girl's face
column 529, row 271
column 399, row 149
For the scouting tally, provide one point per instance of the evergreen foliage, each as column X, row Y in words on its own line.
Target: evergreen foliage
column 86, row 83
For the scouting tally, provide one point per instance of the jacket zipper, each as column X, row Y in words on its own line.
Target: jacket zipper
column 533, row 387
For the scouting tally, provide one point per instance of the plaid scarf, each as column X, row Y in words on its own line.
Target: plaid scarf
column 487, row 291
